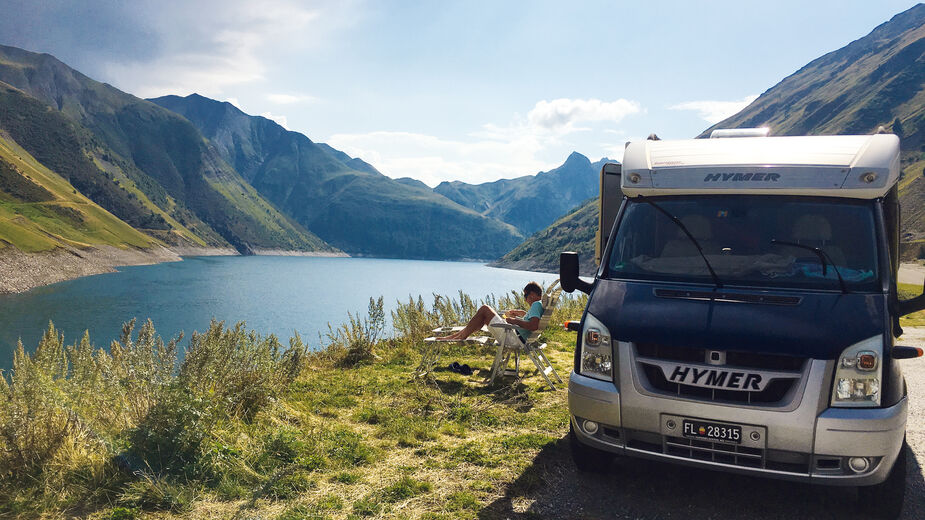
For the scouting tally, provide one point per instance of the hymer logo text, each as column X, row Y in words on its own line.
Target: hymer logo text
column 740, row 177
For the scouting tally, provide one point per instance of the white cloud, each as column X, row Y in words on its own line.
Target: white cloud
column 562, row 114
column 431, row 159
column 715, row 111
column 290, row 99
column 525, row 146
column 280, row 120
column 208, row 46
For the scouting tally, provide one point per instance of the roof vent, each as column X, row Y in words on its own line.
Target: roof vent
column 740, row 132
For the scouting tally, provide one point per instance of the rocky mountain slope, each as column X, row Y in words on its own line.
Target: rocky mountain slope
column 148, row 166
column 346, row 201
column 573, row 232
column 531, row 202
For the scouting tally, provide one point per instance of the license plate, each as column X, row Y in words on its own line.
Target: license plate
column 712, row 431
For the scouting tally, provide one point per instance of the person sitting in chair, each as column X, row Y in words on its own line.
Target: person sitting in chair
column 525, row 321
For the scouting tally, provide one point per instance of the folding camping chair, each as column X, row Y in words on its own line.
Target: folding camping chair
column 533, row 350
column 531, row 347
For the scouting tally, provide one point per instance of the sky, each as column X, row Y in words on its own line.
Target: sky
column 452, row 90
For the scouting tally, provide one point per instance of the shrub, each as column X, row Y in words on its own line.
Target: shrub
column 240, row 370
column 353, row 343
column 33, row 424
column 169, row 439
column 132, row 376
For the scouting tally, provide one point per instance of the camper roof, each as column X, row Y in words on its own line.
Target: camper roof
column 857, row 166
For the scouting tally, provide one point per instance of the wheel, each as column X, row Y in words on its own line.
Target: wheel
column 885, row 500
column 586, row 458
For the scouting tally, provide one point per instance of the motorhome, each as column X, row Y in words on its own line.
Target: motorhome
column 744, row 312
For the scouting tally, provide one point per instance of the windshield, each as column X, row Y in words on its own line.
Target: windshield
column 749, row 240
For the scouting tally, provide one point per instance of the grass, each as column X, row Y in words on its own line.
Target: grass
column 61, row 216
column 249, row 427
column 908, row 291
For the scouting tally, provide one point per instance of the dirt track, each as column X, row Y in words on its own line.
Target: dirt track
column 635, row 488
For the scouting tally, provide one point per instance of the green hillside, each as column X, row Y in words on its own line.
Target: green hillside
column 66, row 148
column 531, row 202
column 573, row 232
column 184, row 192
column 344, row 200
column 41, row 211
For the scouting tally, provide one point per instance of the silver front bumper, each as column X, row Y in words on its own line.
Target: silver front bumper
column 806, row 442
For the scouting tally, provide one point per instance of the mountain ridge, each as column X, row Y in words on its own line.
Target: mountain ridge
column 346, row 201
column 142, row 149
column 516, row 201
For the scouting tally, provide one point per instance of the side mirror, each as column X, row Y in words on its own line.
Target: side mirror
column 901, row 352
column 568, row 273
column 907, row 306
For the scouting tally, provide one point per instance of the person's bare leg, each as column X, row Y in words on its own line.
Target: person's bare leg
column 482, row 317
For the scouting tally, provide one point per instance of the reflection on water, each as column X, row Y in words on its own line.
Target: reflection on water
column 273, row 294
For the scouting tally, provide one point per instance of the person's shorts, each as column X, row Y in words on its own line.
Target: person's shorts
column 512, row 338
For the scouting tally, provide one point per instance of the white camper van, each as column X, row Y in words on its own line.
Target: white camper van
column 744, row 312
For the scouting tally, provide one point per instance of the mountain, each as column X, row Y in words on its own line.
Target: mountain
column 530, row 202
column 346, row 201
column 878, row 80
column 572, row 232
column 146, row 165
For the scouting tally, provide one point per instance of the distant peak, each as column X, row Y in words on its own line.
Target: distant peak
column 575, row 158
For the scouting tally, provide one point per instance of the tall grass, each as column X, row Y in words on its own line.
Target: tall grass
column 133, row 426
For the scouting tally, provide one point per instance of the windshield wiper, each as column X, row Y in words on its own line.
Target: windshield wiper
column 681, row 225
column 824, row 259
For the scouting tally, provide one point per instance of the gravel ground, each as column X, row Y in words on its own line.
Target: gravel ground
column 20, row 271
column 911, row 273
column 633, row 488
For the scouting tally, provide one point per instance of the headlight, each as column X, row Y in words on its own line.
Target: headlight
column 596, row 350
column 858, row 373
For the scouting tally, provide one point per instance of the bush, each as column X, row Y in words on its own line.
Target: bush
column 169, row 439
column 353, row 343
column 35, row 422
column 239, row 370
column 74, row 417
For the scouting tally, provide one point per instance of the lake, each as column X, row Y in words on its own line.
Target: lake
column 272, row 294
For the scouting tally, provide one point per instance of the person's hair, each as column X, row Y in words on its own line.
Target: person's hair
column 534, row 288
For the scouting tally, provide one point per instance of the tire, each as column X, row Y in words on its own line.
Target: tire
column 885, row 500
column 586, row 458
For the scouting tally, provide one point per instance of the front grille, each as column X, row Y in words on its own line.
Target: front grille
column 698, row 449
column 775, row 393
column 708, row 451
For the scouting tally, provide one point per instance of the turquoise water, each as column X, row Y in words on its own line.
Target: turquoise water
column 273, row 294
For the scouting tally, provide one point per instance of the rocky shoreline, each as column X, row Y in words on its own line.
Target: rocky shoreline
column 20, row 272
